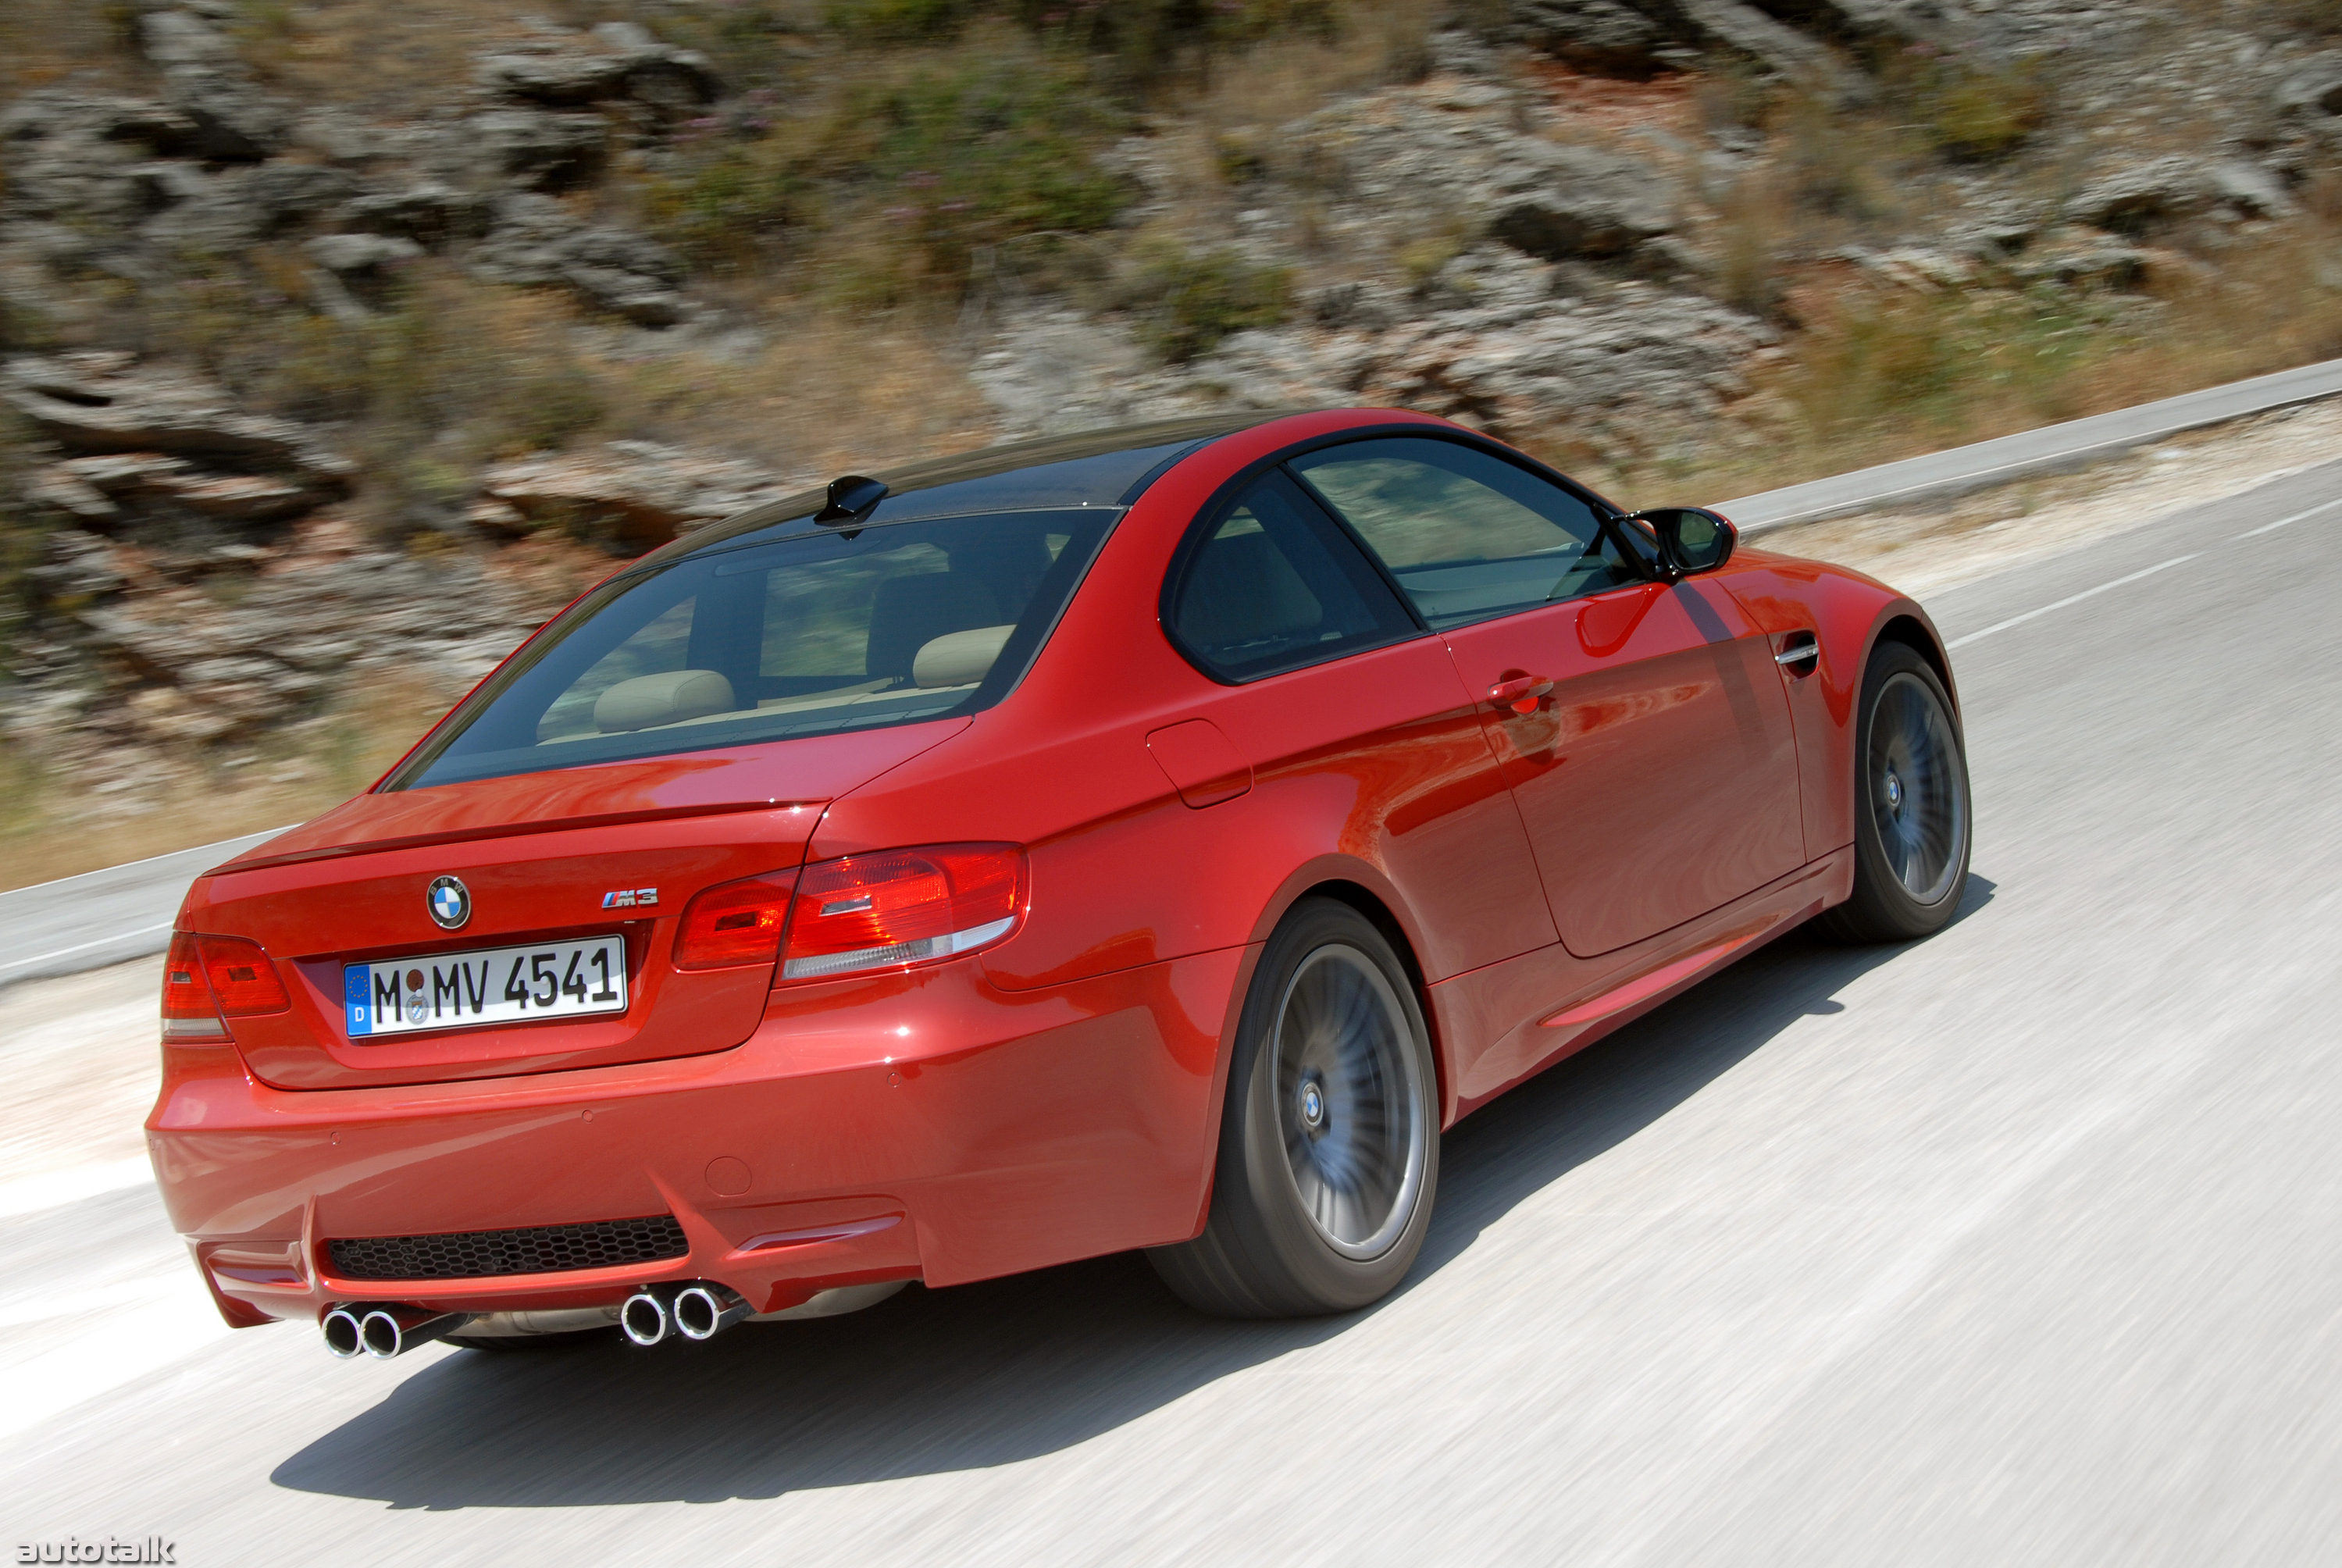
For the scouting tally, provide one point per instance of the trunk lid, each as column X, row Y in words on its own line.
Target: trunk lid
column 537, row 853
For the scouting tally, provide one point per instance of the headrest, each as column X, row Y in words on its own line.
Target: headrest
column 668, row 699
column 959, row 658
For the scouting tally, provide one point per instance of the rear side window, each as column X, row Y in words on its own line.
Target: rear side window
column 1467, row 534
column 1272, row 584
column 811, row 634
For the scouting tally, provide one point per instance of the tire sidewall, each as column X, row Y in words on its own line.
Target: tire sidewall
column 1254, row 1157
column 1885, row 896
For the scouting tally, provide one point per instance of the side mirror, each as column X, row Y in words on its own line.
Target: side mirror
column 1692, row 539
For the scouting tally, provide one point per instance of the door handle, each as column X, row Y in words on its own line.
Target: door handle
column 1520, row 694
column 1801, row 648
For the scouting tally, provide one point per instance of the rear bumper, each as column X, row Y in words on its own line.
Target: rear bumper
column 916, row 1125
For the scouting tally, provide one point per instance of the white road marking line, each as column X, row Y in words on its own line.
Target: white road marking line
column 2070, row 599
column 55, row 1189
column 84, row 947
column 2273, row 527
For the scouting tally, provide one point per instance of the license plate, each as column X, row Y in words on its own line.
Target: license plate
column 485, row 987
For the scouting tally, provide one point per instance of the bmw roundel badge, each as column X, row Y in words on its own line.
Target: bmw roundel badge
column 450, row 902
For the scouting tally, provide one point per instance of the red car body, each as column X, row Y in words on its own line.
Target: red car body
column 1549, row 866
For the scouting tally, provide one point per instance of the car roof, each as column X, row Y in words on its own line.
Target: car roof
column 1105, row 467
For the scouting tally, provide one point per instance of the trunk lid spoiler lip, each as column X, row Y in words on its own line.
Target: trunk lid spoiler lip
column 261, row 861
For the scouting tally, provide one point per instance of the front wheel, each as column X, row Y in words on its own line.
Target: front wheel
column 1330, row 1145
column 1911, row 815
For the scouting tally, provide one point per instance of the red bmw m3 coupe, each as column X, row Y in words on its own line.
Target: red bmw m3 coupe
column 1152, row 838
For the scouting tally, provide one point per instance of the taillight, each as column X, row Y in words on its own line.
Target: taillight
column 734, row 922
column 188, row 1011
column 207, row 976
column 242, row 980
column 902, row 906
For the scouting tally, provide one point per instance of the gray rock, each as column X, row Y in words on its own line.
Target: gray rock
column 293, row 194
column 1637, row 37
column 337, row 135
column 2250, row 190
column 57, row 489
column 77, row 567
column 76, row 159
column 618, row 60
column 233, row 122
column 627, row 38
column 642, row 492
column 563, row 76
column 140, row 121
column 539, row 147
column 178, row 38
column 1562, row 202
column 210, row 85
column 429, row 212
column 2314, row 87
column 1900, row 23
column 102, row 404
column 535, row 240
column 209, row 210
column 1606, row 36
column 1449, row 156
column 2113, row 266
column 2136, row 201
column 346, row 256
column 1629, row 369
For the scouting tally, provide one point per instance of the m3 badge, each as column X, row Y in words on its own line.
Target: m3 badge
column 630, row 898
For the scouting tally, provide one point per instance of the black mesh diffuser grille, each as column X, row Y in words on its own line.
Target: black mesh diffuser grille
column 541, row 1250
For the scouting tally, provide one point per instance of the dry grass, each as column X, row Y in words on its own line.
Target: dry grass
column 1879, row 374
column 43, row 43
column 833, row 390
column 395, row 58
column 52, row 826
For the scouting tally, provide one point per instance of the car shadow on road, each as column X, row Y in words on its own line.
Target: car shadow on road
column 977, row 1375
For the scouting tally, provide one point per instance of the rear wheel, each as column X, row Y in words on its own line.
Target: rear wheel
column 1911, row 816
column 1329, row 1145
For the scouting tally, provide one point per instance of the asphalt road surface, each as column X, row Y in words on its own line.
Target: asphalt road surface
column 102, row 917
column 2020, row 1246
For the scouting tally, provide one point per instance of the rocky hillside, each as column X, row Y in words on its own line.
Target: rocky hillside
column 340, row 342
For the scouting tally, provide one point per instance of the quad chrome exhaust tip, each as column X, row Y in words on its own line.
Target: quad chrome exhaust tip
column 385, row 1330
column 345, row 1333
column 645, row 1320
column 699, row 1310
column 707, row 1309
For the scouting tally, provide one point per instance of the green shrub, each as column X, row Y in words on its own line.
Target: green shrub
column 1849, row 165
column 724, row 209
column 899, row 20
column 447, row 374
column 956, row 159
column 1151, row 41
column 1975, row 110
column 21, row 535
column 1195, row 300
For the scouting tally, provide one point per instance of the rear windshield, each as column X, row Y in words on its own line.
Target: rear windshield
column 804, row 636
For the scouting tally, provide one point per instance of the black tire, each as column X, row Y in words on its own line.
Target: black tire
column 1913, row 820
column 1329, row 1144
